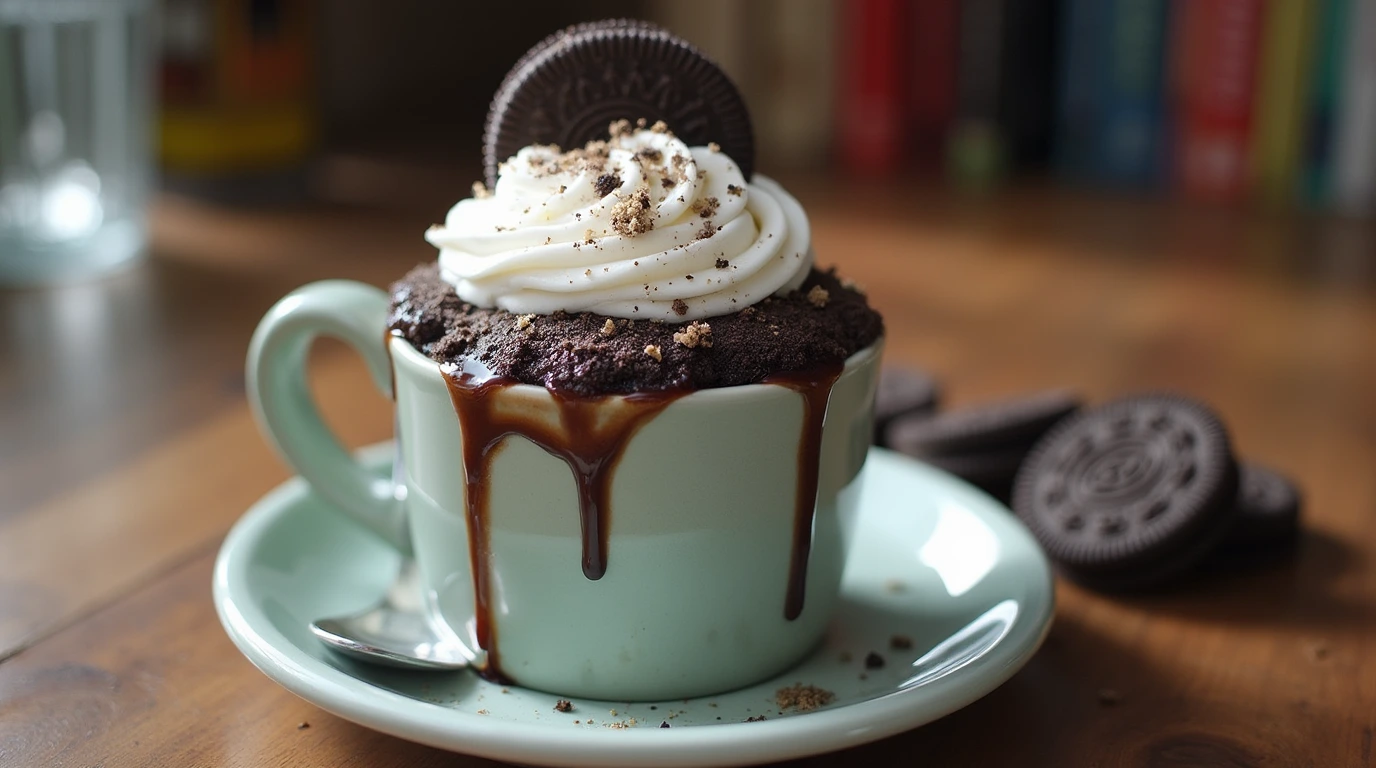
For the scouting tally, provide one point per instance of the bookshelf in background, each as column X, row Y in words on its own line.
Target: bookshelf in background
column 1227, row 101
column 932, row 56
column 1354, row 132
column 1212, row 81
column 1109, row 121
column 872, row 106
column 1284, row 72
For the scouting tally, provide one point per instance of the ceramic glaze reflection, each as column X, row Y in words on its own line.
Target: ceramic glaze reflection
column 962, row 550
column 965, row 646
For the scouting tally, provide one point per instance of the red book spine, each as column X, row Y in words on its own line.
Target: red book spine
column 936, row 32
column 871, row 119
column 1214, row 68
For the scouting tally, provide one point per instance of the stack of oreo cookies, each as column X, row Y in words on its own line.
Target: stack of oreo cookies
column 1127, row 495
column 984, row 444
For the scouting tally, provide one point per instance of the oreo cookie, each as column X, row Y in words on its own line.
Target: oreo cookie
column 1132, row 493
column 572, row 85
column 1268, row 513
column 990, row 471
column 900, row 392
column 982, row 428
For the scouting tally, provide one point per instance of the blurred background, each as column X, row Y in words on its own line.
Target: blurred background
column 1267, row 106
column 1233, row 101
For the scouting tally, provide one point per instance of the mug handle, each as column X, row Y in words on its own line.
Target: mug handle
column 356, row 314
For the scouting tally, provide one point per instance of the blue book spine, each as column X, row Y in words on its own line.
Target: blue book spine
column 1131, row 140
column 1078, row 109
column 1317, row 174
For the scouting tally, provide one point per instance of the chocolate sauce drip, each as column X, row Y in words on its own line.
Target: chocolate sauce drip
column 590, row 439
column 815, row 387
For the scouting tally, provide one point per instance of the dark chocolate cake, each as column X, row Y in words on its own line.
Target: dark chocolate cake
column 821, row 323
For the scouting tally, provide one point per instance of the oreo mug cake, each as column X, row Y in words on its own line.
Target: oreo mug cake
column 631, row 412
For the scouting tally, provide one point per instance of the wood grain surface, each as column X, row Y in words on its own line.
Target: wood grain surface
column 127, row 451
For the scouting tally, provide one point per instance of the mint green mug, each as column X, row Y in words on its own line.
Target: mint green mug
column 703, row 590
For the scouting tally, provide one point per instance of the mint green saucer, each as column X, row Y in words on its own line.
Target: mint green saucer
column 935, row 562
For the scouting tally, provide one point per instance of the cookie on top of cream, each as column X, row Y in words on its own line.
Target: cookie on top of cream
column 640, row 226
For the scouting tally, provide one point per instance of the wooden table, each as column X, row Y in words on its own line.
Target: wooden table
column 127, row 451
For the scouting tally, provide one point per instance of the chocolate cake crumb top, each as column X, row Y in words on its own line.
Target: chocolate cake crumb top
column 695, row 334
column 571, row 352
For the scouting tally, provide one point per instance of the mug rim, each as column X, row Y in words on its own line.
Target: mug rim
column 404, row 353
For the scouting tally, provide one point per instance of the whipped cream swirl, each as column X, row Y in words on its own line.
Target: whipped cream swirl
column 641, row 226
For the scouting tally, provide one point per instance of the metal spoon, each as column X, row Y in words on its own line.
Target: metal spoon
column 395, row 632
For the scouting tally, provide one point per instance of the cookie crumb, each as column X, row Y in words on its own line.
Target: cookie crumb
column 713, row 146
column 653, row 351
column 706, row 208
column 524, row 321
column 1108, row 697
column 732, row 189
column 480, row 191
column 563, row 705
column 606, row 184
column 680, row 307
column 659, row 127
column 723, row 263
column 664, row 724
column 633, row 215
column 695, row 334
column 608, row 328
column 900, row 642
column 756, row 719
column 303, row 725
column 483, row 712
column 874, row 661
column 803, row 698
column 619, row 128
column 818, row 296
